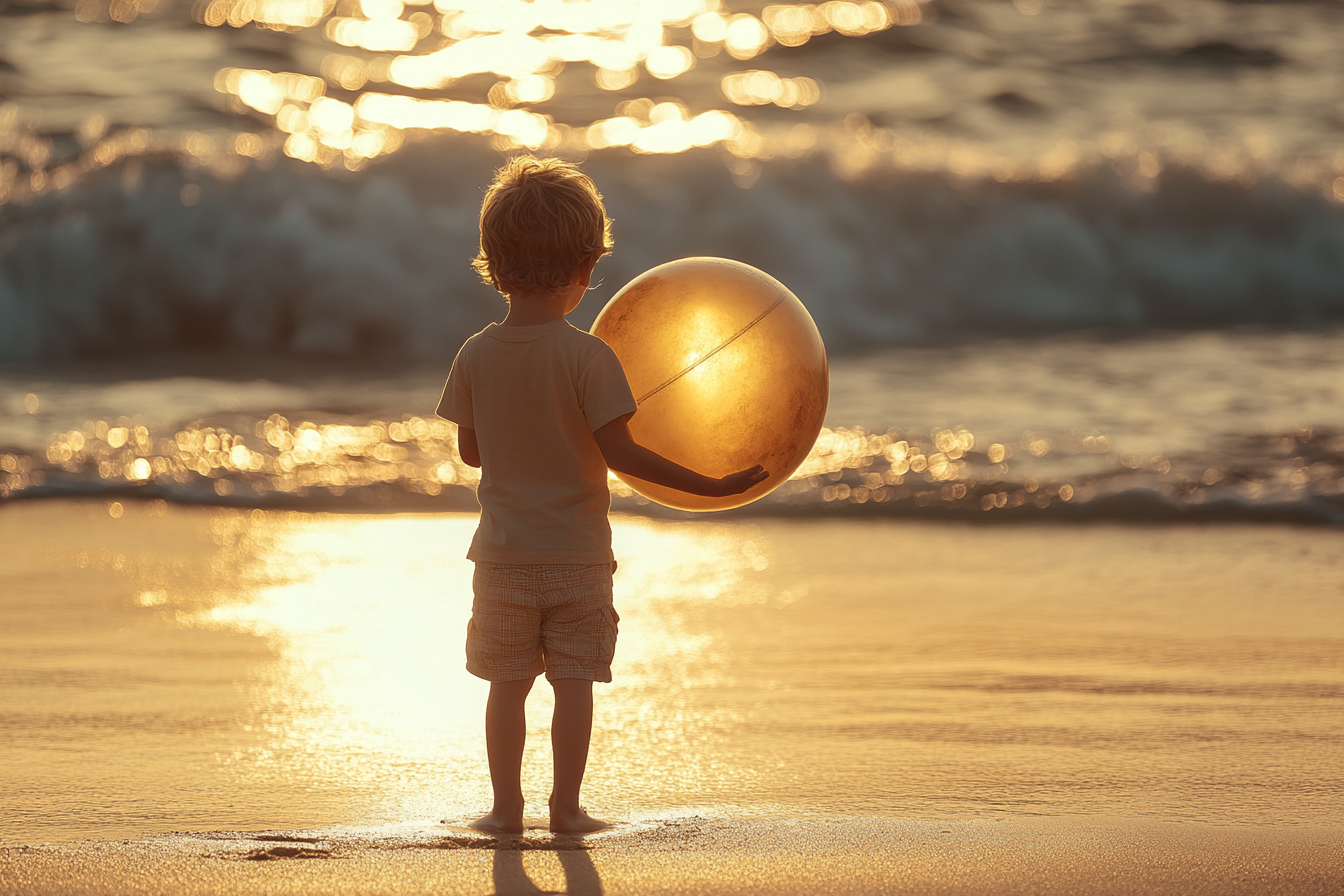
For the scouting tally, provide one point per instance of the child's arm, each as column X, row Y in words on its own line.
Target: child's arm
column 467, row 447
column 624, row 455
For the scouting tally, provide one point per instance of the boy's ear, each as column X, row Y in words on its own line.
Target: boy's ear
column 584, row 273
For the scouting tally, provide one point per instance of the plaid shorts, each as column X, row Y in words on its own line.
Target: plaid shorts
column 554, row 618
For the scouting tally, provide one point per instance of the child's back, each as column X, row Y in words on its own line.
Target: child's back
column 533, row 396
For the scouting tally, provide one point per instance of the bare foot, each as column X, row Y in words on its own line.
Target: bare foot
column 499, row 824
column 579, row 822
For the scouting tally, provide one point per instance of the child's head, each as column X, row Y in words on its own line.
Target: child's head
column 542, row 222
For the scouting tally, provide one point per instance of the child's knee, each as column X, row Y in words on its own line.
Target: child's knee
column 511, row 690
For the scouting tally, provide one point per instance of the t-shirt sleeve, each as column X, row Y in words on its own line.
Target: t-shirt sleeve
column 604, row 393
column 455, row 405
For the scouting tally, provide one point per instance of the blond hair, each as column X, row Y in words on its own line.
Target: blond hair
column 541, row 221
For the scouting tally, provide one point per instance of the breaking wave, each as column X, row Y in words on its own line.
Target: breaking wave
column 292, row 260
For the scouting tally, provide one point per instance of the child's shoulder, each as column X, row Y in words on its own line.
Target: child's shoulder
column 588, row 348
column 582, row 338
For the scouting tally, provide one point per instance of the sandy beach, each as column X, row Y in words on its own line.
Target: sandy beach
column 696, row 855
column 800, row 706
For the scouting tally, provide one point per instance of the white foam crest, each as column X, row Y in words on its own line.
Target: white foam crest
column 291, row 261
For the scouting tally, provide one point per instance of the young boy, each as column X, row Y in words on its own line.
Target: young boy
column 542, row 408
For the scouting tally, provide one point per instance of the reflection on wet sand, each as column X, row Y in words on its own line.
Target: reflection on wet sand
column 208, row 669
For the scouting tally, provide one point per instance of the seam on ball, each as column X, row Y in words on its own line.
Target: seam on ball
column 727, row 342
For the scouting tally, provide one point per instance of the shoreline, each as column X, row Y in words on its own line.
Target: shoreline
column 1135, row 508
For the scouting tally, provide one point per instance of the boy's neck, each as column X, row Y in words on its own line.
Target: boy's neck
column 531, row 309
column 527, row 309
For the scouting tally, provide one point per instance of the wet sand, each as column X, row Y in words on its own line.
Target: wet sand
column 799, row 706
column 694, row 855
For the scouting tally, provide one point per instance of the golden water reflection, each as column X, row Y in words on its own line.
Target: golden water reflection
column 526, row 45
column 175, row 668
column 546, row 75
column 368, row 615
column 806, row 664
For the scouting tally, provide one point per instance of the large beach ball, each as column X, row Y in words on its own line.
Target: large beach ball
column 727, row 368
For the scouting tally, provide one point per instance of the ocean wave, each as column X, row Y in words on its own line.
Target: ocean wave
column 290, row 260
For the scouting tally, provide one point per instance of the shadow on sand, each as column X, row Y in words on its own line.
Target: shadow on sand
column 581, row 877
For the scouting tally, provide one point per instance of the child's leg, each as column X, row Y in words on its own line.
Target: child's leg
column 571, row 729
column 505, row 734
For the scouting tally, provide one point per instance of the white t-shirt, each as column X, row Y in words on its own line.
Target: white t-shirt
column 534, row 396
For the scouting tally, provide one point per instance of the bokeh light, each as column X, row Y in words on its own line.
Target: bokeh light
column 413, row 462
column 546, row 57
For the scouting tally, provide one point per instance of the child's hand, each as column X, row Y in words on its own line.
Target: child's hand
column 737, row 483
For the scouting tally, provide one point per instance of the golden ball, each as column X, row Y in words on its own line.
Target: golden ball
column 727, row 368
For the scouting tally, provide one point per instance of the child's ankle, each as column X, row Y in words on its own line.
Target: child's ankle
column 507, row 809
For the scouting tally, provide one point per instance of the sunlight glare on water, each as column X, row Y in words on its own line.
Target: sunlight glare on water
column 1199, row 421
column 527, row 45
column 984, row 90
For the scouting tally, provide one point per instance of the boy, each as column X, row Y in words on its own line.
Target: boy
column 542, row 408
